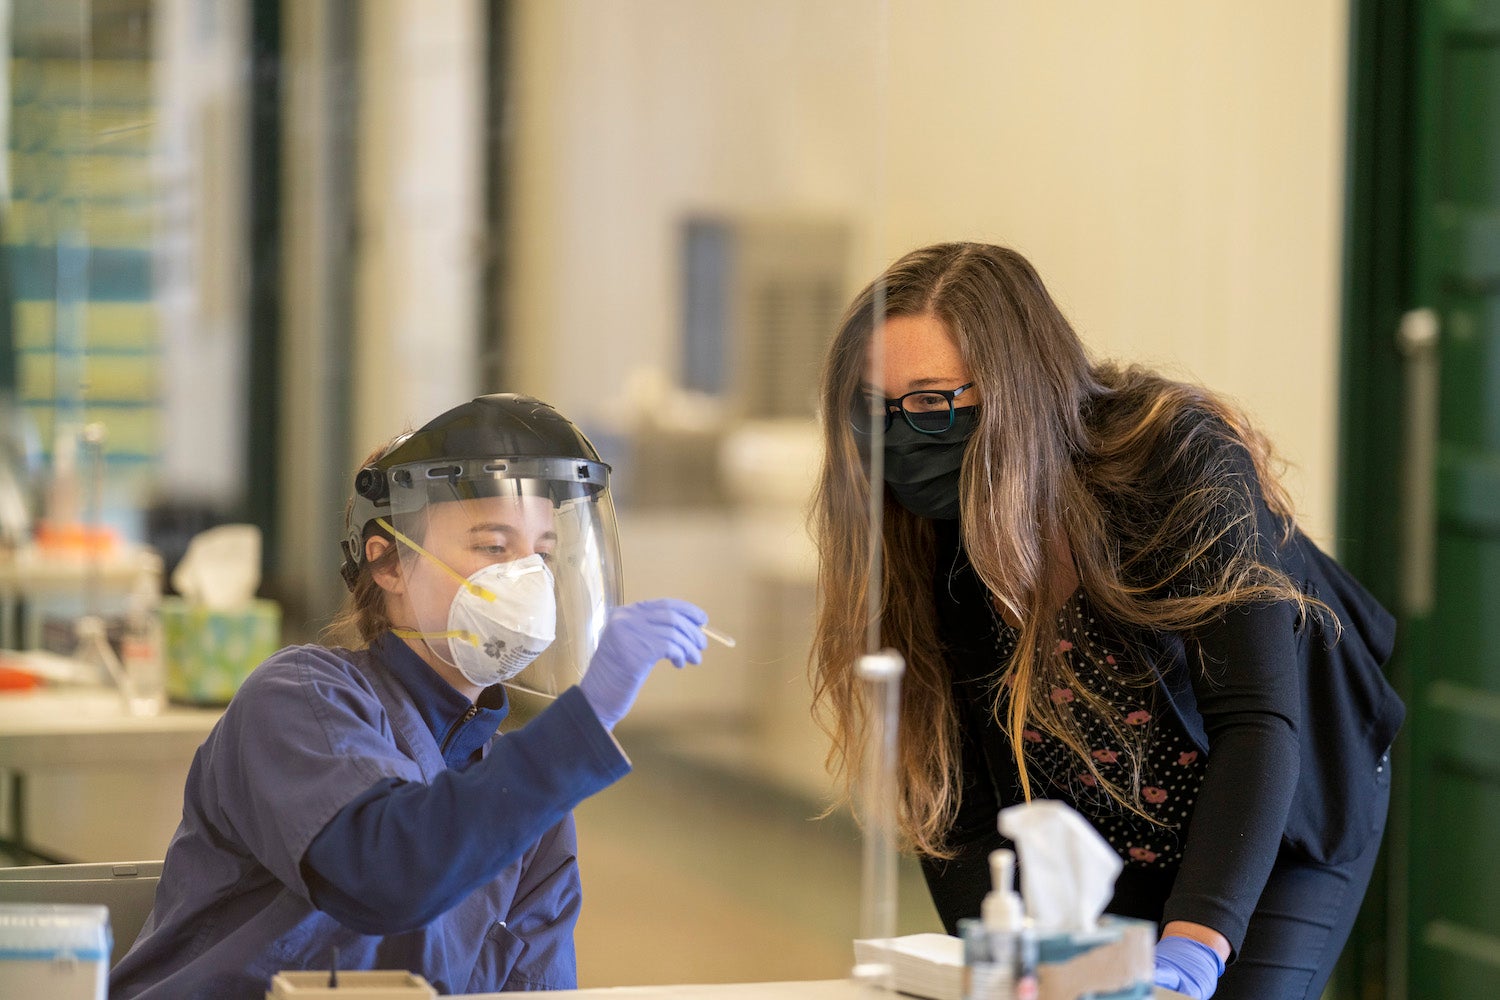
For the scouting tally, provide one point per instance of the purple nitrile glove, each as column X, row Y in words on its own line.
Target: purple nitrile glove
column 634, row 639
column 1188, row 966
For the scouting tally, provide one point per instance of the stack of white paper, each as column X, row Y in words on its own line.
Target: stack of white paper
column 924, row 965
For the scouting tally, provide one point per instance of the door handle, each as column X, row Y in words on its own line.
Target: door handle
column 1417, row 337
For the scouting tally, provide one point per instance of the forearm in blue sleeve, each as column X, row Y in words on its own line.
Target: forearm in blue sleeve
column 402, row 854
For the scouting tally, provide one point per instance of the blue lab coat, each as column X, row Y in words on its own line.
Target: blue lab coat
column 313, row 734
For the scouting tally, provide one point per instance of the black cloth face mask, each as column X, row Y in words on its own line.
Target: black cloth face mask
column 922, row 469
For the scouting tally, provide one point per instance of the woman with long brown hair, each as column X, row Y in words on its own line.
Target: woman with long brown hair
column 1102, row 597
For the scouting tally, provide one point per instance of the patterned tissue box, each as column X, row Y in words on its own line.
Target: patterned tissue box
column 1114, row 962
column 209, row 653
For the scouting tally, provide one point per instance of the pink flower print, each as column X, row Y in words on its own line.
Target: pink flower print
column 1138, row 718
column 1143, row 854
column 1110, row 660
column 1154, row 795
column 1187, row 758
column 1061, row 695
column 1105, row 756
column 1063, row 645
column 1031, row 736
column 1088, row 779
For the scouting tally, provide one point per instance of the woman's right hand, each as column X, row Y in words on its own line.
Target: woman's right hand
column 634, row 639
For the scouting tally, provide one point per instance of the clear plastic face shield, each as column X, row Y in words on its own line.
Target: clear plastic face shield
column 508, row 567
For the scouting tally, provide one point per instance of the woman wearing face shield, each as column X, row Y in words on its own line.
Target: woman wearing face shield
column 1102, row 597
column 359, row 798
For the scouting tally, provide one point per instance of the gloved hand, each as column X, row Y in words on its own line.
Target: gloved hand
column 634, row 639
column 1188, row 966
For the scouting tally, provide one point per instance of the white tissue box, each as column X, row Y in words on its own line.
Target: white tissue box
column 1116, row 961
column 60, row 952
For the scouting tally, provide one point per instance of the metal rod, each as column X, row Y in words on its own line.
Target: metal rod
column 880, row 685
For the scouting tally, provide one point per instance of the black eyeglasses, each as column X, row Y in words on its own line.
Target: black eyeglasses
column 926, row 411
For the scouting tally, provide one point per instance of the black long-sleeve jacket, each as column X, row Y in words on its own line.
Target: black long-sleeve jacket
column 1293, row 718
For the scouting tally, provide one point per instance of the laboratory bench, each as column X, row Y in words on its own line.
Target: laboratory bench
column 85, row 780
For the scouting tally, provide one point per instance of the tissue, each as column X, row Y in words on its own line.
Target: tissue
column 1068, row 874
column 217, row 631
column 221, row 568
column 1068, row 870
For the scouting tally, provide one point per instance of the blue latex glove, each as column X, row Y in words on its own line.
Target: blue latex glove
column 1188, row 966
column 634, row 639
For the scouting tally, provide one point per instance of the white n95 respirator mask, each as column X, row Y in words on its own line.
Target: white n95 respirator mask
column 503, row 617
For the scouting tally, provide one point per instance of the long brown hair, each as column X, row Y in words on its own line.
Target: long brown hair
column 1057, row 436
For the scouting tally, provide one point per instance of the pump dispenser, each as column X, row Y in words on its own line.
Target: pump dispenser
column 1002, row 909
column 994, row 946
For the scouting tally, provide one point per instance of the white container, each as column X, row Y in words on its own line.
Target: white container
column 60, row 952
column 143, row 669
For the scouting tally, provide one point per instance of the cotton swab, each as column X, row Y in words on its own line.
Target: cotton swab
column 718, row 636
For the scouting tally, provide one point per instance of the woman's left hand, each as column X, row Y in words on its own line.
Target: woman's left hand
column 1187, row 966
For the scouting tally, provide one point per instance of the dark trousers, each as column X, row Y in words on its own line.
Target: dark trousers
column 1298, row 928
column 1300, row 924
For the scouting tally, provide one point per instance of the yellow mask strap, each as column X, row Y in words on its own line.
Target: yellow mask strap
column 460, row 634
column 472, row 588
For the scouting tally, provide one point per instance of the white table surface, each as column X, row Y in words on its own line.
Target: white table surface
column 75, row 761
column 67, row 727
column 819, row 989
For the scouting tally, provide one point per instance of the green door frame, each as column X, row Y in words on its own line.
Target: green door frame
column 1376, row 292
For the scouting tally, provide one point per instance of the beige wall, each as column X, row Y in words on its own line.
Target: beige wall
column 1174, row 170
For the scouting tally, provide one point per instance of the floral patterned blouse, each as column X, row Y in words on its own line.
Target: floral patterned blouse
column 1171, row 766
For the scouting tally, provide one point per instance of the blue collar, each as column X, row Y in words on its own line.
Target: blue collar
column 459, row 734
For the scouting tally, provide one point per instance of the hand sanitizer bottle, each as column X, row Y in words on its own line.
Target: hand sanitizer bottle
column 991, row 944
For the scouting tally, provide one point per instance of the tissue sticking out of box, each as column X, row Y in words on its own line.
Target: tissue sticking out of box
column 1068, row 870
column 221, row 568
